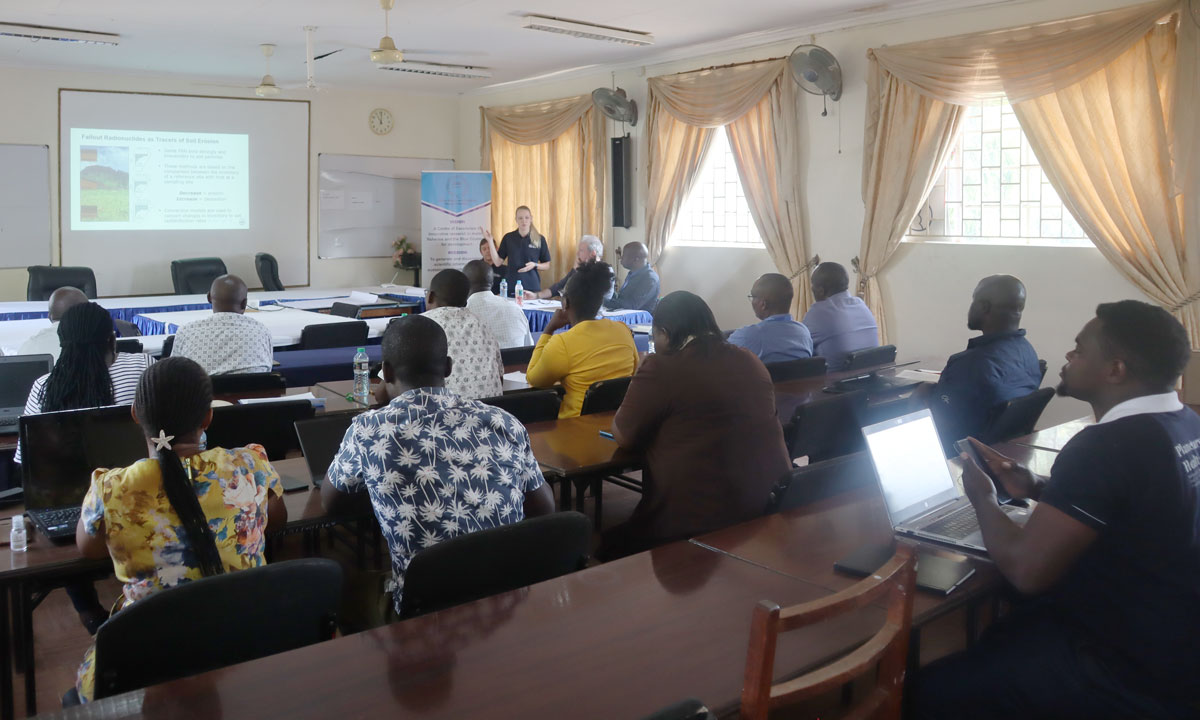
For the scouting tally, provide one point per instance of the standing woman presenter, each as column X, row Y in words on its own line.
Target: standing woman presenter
column 526, row 251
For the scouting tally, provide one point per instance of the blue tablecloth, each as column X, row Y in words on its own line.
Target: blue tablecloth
column 128, row 314
column 539, row 319
column 418, row 299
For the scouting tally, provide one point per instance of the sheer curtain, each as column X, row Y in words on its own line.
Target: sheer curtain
column 551, row 157
column 1098, row 98
column 759, row 104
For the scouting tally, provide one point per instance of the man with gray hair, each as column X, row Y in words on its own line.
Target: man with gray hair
column 590, row 248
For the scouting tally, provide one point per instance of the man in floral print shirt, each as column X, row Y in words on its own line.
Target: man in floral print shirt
column 435, row 465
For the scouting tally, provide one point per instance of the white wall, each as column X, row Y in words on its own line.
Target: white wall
column 425, row 126
column 927, row 286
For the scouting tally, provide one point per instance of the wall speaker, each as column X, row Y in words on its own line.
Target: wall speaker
column 622, row 182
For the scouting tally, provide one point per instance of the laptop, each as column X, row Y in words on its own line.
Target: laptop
column 17, row 375
column 921, row 497
column 59, row 451
column 320, row 439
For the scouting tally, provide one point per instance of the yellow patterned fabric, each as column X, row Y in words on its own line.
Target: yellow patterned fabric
column 147, row 542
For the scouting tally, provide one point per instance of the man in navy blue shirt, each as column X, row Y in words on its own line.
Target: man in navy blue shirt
column 640, row 289
column 996, row 367
column 1111, row 553
column 778, row 337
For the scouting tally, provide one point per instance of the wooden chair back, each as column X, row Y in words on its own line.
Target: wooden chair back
column 887, row 649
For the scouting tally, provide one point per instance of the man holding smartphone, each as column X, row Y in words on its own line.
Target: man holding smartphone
column 1110, row 557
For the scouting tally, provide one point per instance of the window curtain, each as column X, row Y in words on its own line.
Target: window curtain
column 549, row 156
column 759, row 106
column 1070, row 81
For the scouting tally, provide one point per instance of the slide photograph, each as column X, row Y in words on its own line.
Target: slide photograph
column 103, row 184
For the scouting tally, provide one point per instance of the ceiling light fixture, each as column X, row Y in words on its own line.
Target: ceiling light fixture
column 41, row 32
column 444, row 70
column 587, row 30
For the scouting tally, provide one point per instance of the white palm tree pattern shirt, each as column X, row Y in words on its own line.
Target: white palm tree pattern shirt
column 436, row 466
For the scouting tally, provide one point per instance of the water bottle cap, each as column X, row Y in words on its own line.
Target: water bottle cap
column 18, row 522
column 362, row 349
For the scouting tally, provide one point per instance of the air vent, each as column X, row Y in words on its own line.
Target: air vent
column 40, row 32
column 589, row 31
column 443, row 70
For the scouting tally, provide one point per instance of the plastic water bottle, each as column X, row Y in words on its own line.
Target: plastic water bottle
column 519, row 292
column 203, row 441
column 650, row 345
column 18, row 539
column 503, row 288
column 362, row 377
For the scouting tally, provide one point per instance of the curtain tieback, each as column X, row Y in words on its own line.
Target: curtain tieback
column 863, row 278
column 1190, row 299
column 816, row 260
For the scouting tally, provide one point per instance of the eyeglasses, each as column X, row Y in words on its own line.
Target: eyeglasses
column 751, row 298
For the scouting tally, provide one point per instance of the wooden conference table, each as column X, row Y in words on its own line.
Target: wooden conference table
column 570, row 450
column 616, row 640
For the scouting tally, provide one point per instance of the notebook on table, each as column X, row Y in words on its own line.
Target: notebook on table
column 921, row 497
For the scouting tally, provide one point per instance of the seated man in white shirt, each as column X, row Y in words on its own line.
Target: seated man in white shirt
column 502, row 318
column 45, row 341
column 226, row 342
column 478, row 368
column 590, row 249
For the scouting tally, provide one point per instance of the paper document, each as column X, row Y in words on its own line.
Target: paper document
column 516, row 377
column 542, row 304
column 362, row 298
column 641, row 328
column 929, row 376
column 316, row 401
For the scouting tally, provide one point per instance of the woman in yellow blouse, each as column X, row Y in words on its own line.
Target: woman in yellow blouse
column 184, row 513
column 592, row 350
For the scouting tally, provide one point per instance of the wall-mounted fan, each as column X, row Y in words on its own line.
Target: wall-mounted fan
column 615, row 104
column 817, row 71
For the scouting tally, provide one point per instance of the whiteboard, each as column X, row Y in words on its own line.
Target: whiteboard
column 366, row 202
column 24, row 205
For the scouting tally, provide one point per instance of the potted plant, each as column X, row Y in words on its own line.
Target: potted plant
column 404, row 255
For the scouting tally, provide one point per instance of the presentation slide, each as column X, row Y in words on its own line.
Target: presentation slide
column 147, row 180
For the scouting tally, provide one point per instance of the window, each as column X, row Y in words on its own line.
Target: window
column 716, row 212
column 993, row 191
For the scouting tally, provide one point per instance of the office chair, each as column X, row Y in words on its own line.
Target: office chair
column 267, row 268
column 605, row 395
column 45, row 279
column 129, row 345
column 516, row 355
column 334, row 335
column 1017, row 417
column 870, row 357
column 125, row 328
column 817, row 481
column 1042, row 365
column 496, row 560
column 346, row 310
column 272, row 425
column 827, row 427
column 168, row 346
column 247, row 384
column 195, row 276
column 798, row 369
column 221, row 620
column 528, row 407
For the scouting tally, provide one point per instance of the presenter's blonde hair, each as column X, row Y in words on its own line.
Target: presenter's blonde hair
column 534, row 235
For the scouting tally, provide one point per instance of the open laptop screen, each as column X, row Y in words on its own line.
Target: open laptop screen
column 910, row 465
column 17, row 375
column 59, row 451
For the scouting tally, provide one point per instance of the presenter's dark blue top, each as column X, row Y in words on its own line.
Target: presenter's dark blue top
column 1134, row 478
column 519, row 250
column 992, row 370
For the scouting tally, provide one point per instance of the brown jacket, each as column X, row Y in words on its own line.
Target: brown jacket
column 705, row 419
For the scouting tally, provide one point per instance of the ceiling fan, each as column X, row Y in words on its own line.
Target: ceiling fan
column 266, row 86
column 387, row 56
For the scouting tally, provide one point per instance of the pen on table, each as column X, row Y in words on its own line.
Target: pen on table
column 607, row 434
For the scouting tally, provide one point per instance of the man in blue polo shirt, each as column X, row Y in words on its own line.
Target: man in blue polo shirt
column 996, row 367
column 778, row 337
column 839, row 322
column 1111, row 553
column 640, row 289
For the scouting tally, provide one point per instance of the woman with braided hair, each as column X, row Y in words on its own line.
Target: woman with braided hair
column 183, row 513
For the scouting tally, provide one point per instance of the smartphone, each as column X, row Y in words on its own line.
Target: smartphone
column 965, row 446
column 606, row 434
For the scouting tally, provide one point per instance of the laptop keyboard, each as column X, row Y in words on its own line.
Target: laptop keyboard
column 57, row 522
column 956, row 526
